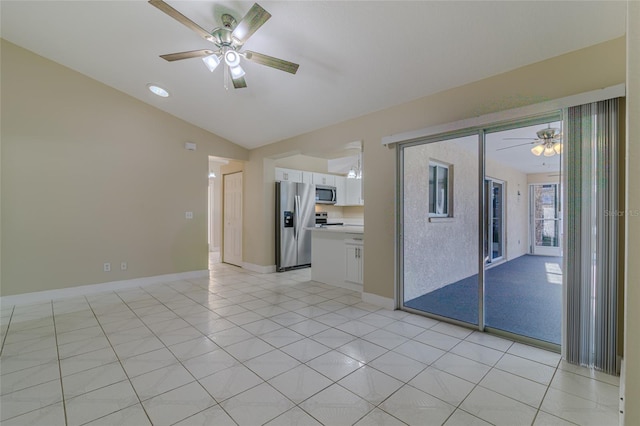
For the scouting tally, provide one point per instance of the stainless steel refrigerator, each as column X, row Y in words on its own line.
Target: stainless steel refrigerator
column 295, row 212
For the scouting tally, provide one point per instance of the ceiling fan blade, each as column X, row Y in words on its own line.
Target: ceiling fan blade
column 181, row 18
column 519, row 139
column 250, row 23
column 186, row 55
column 514, row 146
column 239, row 82
column 272, row 62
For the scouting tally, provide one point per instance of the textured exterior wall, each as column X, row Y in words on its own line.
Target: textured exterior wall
column 440, row 251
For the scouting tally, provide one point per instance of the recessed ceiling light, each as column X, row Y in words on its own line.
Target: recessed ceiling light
column 157, row 90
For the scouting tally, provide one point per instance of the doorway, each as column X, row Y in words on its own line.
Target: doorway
column 232, row 219
column 494, row 226
column 545, row 219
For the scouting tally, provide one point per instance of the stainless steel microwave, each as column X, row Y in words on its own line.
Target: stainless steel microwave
column 325, row 194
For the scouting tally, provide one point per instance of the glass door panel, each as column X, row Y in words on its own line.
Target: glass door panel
column 545, row 216
column 523, row 291
column 494, row 227
column 440, row 232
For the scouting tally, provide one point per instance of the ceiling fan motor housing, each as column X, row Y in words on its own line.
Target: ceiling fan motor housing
column 222, row 37
column 549, row 133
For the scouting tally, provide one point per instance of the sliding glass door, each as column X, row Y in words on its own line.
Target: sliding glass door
column 465, row 230
column 440, row 205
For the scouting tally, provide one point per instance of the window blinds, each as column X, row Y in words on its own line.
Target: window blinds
column 591, row 146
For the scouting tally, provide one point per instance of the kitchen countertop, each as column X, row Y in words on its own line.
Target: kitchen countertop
column 346, row 229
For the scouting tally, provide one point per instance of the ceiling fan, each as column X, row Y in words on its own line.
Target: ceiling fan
column 228, row 41
column 548, row 142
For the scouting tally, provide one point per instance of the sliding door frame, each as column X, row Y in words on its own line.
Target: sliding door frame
column 480, row 131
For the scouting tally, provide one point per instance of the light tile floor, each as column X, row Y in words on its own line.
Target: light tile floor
column 277, row 349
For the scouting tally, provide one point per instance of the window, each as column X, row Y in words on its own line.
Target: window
column 440, row 189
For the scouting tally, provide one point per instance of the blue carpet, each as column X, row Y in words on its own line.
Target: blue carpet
column 518, row 298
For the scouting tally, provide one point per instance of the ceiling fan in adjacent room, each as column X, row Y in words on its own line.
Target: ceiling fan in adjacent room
column 228, row 40
column 548, row 142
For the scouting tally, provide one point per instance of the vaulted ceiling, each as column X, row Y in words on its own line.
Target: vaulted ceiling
column 355, row 57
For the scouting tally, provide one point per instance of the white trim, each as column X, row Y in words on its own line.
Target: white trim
column 383, row 302
column 512, row 114
column 47, row 295
column 259, row 268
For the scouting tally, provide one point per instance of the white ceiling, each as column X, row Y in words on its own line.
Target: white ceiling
column 355, row 56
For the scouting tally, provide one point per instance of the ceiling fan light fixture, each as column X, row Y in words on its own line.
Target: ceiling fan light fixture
column 537, row 150
column 549, row 151
column 211, row 61
column 232, row 58
column 237, row 72
column 557, row 148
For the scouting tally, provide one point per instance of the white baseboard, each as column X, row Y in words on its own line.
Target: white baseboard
column 383, row 302
column 61, row 293
column 346, row 285
column 259, row 268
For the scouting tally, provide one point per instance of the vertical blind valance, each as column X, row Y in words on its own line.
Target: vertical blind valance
column 592, row 146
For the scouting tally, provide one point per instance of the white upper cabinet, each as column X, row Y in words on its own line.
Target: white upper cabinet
column 341, row 191
column 307, row 177
column 324, row 179
column 353, row 192
column 288, row 175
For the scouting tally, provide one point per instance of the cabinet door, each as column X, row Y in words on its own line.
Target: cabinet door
column 288, row 175
column 341, row 193
column 353, row 272
column 324, row 179
column 354, row 192
column 307, row 177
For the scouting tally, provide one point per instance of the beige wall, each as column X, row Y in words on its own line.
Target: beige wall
column 632, row 276
column 595, row 67
column 303, row 162
column 543, row 177
column 91, row 175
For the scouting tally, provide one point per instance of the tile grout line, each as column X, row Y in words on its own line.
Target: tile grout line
column 121, row 366
column 55, row 334
column 4, row 338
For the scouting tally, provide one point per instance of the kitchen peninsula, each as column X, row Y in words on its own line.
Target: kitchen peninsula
column 337, row 256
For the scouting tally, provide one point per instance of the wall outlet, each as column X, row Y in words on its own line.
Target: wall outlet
column 123, row 266
column 188, row 215
column 107, row 267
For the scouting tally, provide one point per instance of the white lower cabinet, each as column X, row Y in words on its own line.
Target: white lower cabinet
column 354, row 261
column 337, row 258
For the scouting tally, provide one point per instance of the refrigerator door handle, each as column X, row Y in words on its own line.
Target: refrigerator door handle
column 296, row 217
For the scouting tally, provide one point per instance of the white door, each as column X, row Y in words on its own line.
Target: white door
column 232, row 233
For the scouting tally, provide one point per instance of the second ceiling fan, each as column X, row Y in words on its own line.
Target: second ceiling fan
column 548, row 142
column 229, row 40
